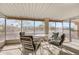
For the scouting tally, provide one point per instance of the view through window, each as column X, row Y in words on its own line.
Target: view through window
column 59, row 27
column 66, row 30
column 74, row 29
column 39, row 27
column 28, row 27
column 13, row 27
column 2, row 29
column 52, row 27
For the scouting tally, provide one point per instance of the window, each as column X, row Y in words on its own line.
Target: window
column 66, row 29
column 28, row 26
column 13, row 27
column 74, row 29
column 39, row 27
column 52, row 27
column 2, row 29
column 59, row 27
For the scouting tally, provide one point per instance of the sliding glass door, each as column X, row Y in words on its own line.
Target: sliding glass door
column 74, row 29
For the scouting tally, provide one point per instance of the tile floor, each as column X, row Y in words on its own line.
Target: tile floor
column 45, row 49
column 15, row 49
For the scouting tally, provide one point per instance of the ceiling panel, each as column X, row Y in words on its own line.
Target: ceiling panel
column 40, row 10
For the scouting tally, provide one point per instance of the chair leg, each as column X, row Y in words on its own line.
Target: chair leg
column 60, row 49
column 34, row 53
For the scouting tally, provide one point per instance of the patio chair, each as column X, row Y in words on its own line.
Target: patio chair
column 59, row 41
column 28, row 45
column 54, row 37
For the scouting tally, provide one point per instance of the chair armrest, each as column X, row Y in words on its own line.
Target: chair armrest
column 38, row 45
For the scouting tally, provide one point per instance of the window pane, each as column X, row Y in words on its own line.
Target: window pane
column 28, row 26
column 13, row 27
column 51, row 27
column 66, row 30
column 74, row 29
column 59, row 27
column 39, row 27
column 2, row 30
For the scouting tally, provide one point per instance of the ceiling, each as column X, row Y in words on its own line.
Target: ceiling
column 40, row 10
